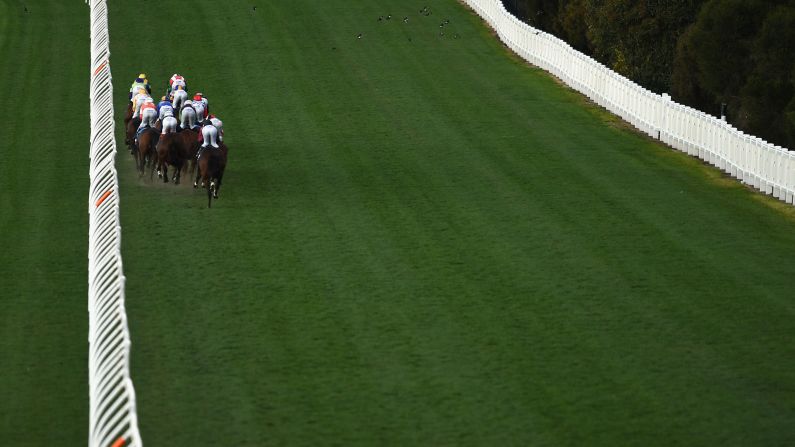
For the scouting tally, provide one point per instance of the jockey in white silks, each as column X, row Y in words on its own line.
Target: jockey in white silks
column 200, row 108
column 166, row 117
column 179, row 98
column 169, row 124
column 218, row 125
column 200, row 97
column 187, row 116
column 210, row 135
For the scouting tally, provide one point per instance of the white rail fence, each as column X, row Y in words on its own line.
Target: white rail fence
column 766, row 167
column 112, row 419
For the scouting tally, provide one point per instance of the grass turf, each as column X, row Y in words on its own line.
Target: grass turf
column 422, row 240
column 43, row 223
column 418, row 241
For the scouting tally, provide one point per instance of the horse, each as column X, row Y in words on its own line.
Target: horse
column 147, row 143
column 128, row 115
column 212, row 164
column 170, row 151
column 188, row 140
column 132, row 128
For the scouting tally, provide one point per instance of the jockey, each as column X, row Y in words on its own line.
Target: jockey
column 148, row 114
column 175, row 82
column 200, row 107
column 218, row 125
column 200, row 97
column 179, row 97
column 209, row 137
column 140, row 83
column 164, row 108
column 169, row 123
column 138, row 100
column 187, row 116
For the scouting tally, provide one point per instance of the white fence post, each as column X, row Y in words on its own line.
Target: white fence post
column 112, row 413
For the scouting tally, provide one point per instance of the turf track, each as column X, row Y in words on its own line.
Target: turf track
column 43, row 223
column 428, row 242
column 418, row 242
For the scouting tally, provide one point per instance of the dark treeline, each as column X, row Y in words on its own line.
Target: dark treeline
column 703, row 52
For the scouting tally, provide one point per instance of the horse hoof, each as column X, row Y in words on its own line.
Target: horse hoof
column 195, row 185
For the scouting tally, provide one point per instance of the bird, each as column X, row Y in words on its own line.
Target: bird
column 446, row 21
column 389, row 17
column 359, row 36
column 380, row 18
column 406, row 19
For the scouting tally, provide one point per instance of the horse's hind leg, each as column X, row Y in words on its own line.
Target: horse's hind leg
column 165, row 173
column 141, row 161
column 218, row 184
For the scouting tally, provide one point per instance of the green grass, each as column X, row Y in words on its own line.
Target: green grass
column 44, row 146
column 429, row 242
column 417, row 242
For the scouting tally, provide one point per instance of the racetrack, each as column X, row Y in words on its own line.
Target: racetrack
column 418, row 241
column 43, row 223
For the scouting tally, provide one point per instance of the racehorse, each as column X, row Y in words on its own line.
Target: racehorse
column 188, row 140
column 129, row 113
column 170, row 151
column 212, row 164
column 132, row 127
column 147, row 150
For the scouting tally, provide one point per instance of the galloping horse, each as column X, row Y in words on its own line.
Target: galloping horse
column 128, row 115
column 147, row 142
column 189, row 143
column 212, row 164
column 170, row 151
column 132, row 127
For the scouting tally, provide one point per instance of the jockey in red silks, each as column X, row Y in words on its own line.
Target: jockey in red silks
column 138, row 101
column 200, row 107
column 148, row 114
column 175, row 82
column 200, row 97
